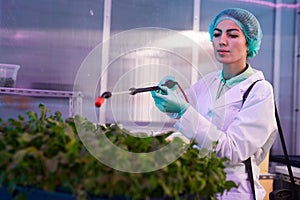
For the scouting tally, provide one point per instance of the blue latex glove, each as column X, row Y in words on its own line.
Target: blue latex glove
column 169, row 101
column 165, row 79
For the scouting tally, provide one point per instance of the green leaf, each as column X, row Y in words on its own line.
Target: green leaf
column 43, row 111
column 21, row 117
column 51, row 164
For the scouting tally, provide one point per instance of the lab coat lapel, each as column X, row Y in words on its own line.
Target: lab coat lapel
column 233, row 95
column 236, row 93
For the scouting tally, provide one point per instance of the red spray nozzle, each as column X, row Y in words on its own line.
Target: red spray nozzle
column 99, row 101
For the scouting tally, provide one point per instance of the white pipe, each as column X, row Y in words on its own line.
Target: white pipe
column 276, row 62
column 277, row 47
column 196, row 28
column 196, row 21
column 296, row 86
column 105, row 53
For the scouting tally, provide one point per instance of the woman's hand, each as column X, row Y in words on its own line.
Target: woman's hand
column 169, row 101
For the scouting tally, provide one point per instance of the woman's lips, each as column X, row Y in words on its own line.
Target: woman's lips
column 221, row 51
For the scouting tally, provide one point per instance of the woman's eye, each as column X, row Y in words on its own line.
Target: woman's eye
column 233, row 36
column 217, row 34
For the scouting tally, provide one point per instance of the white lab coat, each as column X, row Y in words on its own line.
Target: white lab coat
column 241, row 131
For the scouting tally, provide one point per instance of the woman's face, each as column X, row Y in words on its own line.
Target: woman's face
column 229, row 42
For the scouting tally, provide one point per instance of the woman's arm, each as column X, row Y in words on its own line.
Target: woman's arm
column 249, row 130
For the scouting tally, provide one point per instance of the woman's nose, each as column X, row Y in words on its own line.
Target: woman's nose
column 223, row 41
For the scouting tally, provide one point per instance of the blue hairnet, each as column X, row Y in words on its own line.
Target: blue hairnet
column 247, row 23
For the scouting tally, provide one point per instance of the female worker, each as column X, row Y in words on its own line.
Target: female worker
column 216, row 111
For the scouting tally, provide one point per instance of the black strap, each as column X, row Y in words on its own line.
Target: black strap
column 248, row 91
column 248, row 166
column 247, row 162
column 287, row 160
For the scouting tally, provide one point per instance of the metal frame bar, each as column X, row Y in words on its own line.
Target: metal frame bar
column 72, row 96
column 36, row 92
column 196, row 28
column 105, row 53
column 276, row 57
column 296, row 87
column 267, row 176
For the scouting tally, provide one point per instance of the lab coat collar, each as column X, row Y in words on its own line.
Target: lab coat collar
column 236, row 79
column 236, row 93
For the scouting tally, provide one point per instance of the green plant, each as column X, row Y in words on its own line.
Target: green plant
column 45, row 152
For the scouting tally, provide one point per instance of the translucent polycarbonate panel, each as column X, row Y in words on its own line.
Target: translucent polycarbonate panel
column 49, row 39
column 130, row 14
